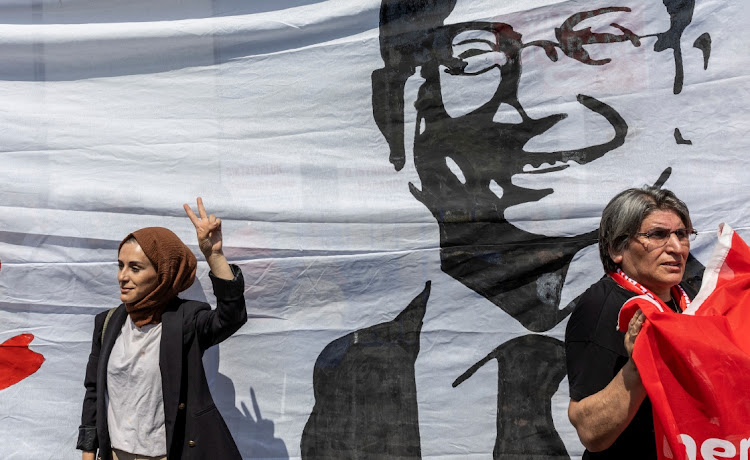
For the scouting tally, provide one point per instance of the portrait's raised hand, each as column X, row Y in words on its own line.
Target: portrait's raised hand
column 208, row 232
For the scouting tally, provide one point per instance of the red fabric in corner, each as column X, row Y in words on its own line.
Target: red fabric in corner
column 696, row 366
column 17, row 361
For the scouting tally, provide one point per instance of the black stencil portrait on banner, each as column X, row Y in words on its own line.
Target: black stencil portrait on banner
column 474, row 164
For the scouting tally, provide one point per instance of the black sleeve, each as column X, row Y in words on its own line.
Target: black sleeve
column 215, row 326
column 87, row 439
column 590, row 368
column 594, row 349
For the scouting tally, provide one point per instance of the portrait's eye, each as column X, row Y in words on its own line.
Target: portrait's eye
column 478, row 50
column 603, row 26
column 120, row 265
column 581, row 32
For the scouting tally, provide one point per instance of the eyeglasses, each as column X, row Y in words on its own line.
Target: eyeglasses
column 661, row 236
column 473, row 51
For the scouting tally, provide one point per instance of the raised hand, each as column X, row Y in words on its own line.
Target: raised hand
column 208, row 231
column 207, row 228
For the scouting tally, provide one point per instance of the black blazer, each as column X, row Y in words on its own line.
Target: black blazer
column 194, row 427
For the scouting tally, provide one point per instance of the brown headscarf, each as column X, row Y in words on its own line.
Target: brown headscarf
column 175, row 267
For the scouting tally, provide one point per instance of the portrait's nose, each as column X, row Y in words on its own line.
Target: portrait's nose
column 549, row 89
column 121, row 275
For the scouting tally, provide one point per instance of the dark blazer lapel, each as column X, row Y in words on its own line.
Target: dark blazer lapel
column 170, row 363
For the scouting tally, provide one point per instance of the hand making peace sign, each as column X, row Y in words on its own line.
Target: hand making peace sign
column 208, row 231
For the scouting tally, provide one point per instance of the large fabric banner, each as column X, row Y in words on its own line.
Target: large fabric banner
column 412, row 189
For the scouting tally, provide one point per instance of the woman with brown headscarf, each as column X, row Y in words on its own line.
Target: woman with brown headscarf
column 146, row 391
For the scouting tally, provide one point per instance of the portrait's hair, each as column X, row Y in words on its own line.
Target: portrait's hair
column 405, row 44
column 623, row 215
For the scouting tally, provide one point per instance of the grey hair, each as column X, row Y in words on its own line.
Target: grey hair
column 623, row 215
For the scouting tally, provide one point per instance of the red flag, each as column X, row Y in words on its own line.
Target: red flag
column 696, row 366
column 17, row 361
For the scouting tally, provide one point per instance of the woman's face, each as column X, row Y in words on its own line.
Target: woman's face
column 657, row 267
column 136, row 275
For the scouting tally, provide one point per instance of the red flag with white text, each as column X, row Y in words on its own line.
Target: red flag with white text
column 696, row 366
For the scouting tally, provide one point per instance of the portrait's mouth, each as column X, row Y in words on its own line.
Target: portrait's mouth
column 546, row 162
column 546, row 167
column 476, row 158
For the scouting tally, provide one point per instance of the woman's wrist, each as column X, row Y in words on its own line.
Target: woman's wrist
column 213, row 255
column 219, row 265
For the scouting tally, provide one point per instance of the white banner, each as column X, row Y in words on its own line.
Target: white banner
column 411, row 189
